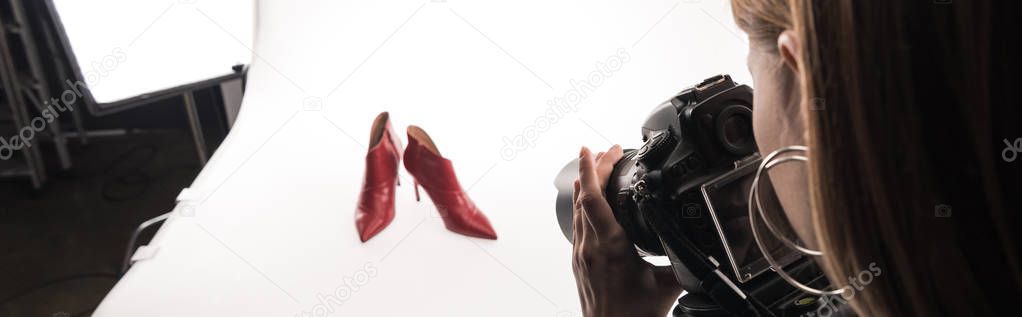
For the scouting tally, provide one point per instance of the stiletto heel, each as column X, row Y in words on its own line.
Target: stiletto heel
column 436, row 175
column 375, row 209
column 416, row 184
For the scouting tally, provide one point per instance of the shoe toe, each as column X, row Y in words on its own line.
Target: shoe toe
column 368, row 225
column 476, row 226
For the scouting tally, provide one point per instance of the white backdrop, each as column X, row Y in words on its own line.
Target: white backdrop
column 126, row 48
column 268, row 229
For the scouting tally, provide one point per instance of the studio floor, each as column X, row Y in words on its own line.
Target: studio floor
column 61, row 247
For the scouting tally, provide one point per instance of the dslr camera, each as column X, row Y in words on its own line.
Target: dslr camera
column 684, row 195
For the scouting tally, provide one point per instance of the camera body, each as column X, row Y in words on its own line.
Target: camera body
column 684, row 194
column 687, row 141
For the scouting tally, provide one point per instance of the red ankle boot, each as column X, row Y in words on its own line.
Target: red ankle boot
column 376, row 202
column 436, row 175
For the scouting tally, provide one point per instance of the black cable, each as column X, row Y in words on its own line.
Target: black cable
column 58, row 280
column 86, row 312
column 148, row 155
column 129, row 178
column 126, row 187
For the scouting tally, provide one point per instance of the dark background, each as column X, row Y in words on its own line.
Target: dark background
column 61, row 246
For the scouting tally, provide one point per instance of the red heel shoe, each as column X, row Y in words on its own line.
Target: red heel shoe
column 375, row 208
column 436, row 175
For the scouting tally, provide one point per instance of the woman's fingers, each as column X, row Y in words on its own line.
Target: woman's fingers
column 597, row 210
column 587, row 196
column 605, row 165
column 587, row 174
column 575, row 192
column 576, row 217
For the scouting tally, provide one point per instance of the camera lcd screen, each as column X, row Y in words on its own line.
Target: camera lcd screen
column 727, row 197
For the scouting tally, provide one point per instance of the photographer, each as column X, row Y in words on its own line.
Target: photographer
column 903, row 107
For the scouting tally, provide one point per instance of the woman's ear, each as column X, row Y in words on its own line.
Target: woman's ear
column 790, row 48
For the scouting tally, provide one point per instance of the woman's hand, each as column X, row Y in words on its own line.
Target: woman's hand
column 612, row 279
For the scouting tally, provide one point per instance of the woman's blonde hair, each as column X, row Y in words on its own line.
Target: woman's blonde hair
column 906, row 169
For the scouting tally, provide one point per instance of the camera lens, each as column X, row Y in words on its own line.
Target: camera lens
column 619, row 196
column 734, row 129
